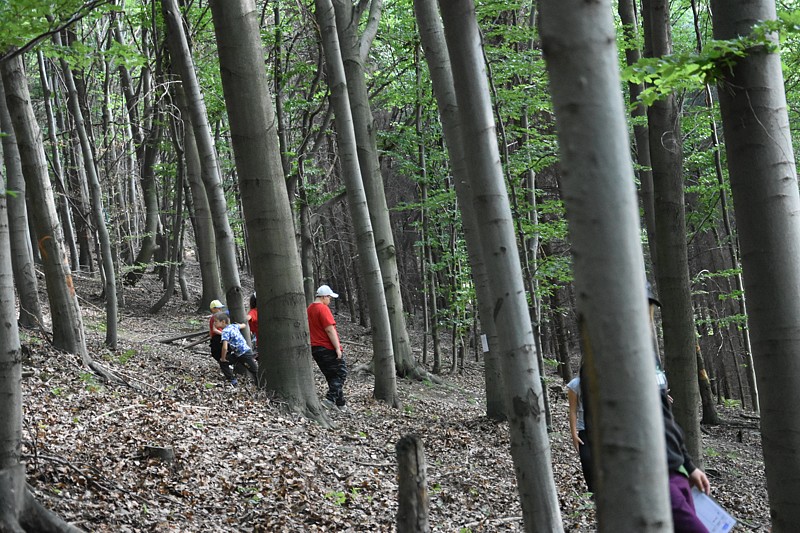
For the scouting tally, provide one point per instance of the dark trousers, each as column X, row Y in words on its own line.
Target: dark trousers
column 334, row 370
column 246, row 359
column 585, row 453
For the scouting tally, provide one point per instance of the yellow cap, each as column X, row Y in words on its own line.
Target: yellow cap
column 216, row 304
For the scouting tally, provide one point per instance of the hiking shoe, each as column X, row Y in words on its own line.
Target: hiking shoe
column 343, row 408
column 327, row 403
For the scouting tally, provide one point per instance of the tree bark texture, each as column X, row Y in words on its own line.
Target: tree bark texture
column 600, row 198
column 384, row 362
column 30, row 314
column 530, row 448
column 19, row 511
column 353, row 55
column 412, row 486
column 672, row 272
column 763, row 178
column 226, row 247
column 97, row 210
column 433, row 43
column 68, row 334
column 205, row 242
column 287, row 368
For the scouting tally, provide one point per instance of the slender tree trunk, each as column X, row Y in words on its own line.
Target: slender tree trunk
column 98, row 213
column 597, row 185
column 205, row 241
column 30, row 314
column 68, row 334
column 64, row 210
column 353, row 52
column 176, row 228
column 384, row 362
column 150, row 198
column 730, row 241
column 226, row 247
column 666, row 152
column 766, row 202
column 435, row 47
column 530, row 448
column 630, row 29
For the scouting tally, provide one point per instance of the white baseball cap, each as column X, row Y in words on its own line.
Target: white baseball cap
column 324, row 290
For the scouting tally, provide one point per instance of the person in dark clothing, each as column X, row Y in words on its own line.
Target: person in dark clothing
column 577, row 429
column 683, row 474
column 326, row 347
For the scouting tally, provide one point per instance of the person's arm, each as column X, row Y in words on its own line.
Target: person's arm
column 573, row 418
column 224, row 352
column 242, row 326
column 334, row 337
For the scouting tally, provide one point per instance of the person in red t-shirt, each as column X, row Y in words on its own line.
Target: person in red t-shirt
column 326, row 347
column 252, row 321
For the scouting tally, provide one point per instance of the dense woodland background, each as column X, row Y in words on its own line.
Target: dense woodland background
column 129, row 162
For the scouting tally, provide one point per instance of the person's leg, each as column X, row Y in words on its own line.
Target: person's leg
column 327, row 363
column 585, row 454
column 216, row 347
column 684, row 518
column 337, row 382
column 226, row 371
column 249, row 362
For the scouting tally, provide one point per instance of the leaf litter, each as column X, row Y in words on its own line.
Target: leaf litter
column 242, row 464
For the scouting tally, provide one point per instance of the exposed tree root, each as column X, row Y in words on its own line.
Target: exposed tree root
column 21, row 512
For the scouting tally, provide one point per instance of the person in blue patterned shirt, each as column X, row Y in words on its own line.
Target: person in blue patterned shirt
column 234, row 347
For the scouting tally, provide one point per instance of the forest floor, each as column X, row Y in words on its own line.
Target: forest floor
column 242, row 464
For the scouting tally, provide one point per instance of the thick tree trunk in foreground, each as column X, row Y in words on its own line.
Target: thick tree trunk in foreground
column 286, row 358
column 30, row 314
column 226, row 247
column 412, row 486
column 19, row 511
column 433, row 42
column 672, row 271
column 599, row 194
column 766, row 201
column 68, row 334
column 383, row 359
column 530, row 447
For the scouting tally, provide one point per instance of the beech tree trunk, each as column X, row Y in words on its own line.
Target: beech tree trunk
column 68, row 334
column 286, row 358
column 354, row 49
column 598, row 189
column 63, row 206
column 97, row 211
column 530, row 448
column 630, row 29
column 19, row 511
column 384, row 362
column 672, row 272
column 30, row 314
column 763, row 178
column 226, row 247
column 205, row 242
column 433, row 43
